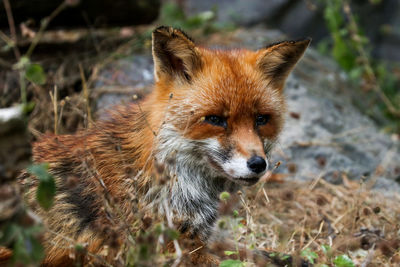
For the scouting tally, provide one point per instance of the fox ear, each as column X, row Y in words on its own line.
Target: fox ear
column 278, row 60
column 174, row 54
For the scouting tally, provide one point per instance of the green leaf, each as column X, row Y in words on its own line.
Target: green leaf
column 144, row 252
column 35, row 74
column 9, row 232
column 158, row 229
column 28, row 107
column 47, row 187
column 40, row 171
column 172, row 234
column 37, row 251
column 325, row 248
column 224, row 196
column 343, row 261
column 231, row 263
column 310, row 255
column 45, row 193
column 229, row 253
column 22, row 63
column 20, row 250
column 79, row 247
column 284, row 257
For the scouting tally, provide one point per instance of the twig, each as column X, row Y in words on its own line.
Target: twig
column 370, row 256
column 43, row 25
column 143, row 114
column 265, row 180
column 54, row 97
column 171, row 225
column 10, row 42
column 5, row 64
column 316, row 181
column 353, row 27
column 315, row 237
column 86, row 95
column 73, row 242
column 196, row 249
column 11, row 24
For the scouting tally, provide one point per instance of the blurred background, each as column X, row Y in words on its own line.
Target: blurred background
column 63, row 62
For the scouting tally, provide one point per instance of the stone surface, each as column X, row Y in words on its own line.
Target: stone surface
column 324, row 135
column 124, row 78
column 305, row 18
column 14, row 142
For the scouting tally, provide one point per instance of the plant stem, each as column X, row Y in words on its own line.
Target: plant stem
column 11, row 24
column 353, row 28
column 43, row 25
column 22, row 84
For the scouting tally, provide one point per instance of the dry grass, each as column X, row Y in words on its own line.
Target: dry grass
column 292, row 216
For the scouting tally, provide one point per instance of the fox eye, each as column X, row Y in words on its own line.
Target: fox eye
column 262, row 119
column 216, row 120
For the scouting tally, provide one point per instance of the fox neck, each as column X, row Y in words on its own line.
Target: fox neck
column 193, row 187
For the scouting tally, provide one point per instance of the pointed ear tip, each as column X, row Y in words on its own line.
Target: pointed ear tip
column 162, row 29
column 169, row 32
column 306, row 41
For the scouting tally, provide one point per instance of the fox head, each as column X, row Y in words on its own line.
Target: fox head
column 223, row 109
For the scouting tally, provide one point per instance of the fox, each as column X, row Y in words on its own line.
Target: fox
column 209, row 125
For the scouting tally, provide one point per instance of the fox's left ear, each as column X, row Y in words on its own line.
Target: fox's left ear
column 277, row 61
column 175, row 55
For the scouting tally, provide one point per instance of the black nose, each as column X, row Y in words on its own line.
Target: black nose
column 256, row 164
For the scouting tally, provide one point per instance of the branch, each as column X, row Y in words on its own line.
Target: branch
column 353, row 27
column 11, row 24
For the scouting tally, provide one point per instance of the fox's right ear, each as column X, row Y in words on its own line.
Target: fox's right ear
column 175, row 54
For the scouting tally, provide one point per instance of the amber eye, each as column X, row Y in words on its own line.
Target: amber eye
column 262, row 119
column 216, row 120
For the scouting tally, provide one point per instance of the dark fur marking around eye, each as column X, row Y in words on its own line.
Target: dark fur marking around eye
column 216, row 120
column 262, row 119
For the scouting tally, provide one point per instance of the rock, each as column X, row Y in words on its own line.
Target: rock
column 329, row 136
column 305, row 18
column 123, row 79
column 240, row 12
column 14, row 142
column 325, row 134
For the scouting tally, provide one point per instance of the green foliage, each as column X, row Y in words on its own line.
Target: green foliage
column 351, row 49
column 171, row 14
column 47, row 187
column 231, row 263
column 26, row 248
column 343, row 48
column 35, row 74
column 343, row 261
column 224, row 196
column 326, row 249
column 32, row 72
column 229, row 253
column 310, row 255
column 171, row 233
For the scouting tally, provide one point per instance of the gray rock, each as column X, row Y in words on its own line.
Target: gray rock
column 305, row 18
column 247, row 13
column 122, row 79
column 14, row 142
column 326, row 135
